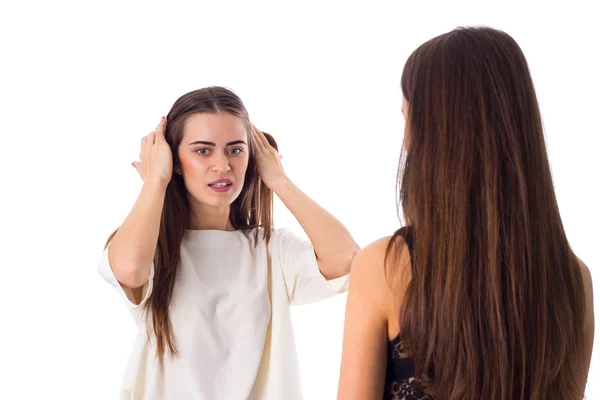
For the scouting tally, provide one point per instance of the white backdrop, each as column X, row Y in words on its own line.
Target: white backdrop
column 81, row 82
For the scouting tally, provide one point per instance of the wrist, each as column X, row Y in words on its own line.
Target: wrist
column 280, row 183
column 156, row 184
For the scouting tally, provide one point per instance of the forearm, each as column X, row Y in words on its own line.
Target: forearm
column 334, row 246
column 132, row 250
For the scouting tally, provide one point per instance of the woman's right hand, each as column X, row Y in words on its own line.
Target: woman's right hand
column 156, row 160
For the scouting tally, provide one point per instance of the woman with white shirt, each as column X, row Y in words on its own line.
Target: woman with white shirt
column 207, row 278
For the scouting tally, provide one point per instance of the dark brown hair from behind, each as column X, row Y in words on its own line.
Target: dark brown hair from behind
column 495, row 307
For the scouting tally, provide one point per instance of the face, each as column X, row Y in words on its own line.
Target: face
column 213, row 158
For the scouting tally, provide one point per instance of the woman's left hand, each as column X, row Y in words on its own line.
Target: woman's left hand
column 268, row 160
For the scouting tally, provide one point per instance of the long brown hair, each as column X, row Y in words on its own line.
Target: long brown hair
column 253, row 208
column 495, row 307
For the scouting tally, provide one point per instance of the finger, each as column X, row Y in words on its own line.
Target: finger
column 142, row 146
column 271, row 140
column 151, row 138
column 160, row 123
column 137, row 165
column 160, row 129
column 256, row 139
column 262, row 137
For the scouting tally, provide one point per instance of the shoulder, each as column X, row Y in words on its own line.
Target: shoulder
column 287, row 237
column 281, row 240
column 375, row 267
column 381, row 256
column 586, row 277
column 258, row 234
column 378, row 249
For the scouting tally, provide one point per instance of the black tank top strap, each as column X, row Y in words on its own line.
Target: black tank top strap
column 400, row 382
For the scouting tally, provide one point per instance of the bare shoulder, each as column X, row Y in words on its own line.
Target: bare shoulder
column 386, row 258
column 378, row 281
column 371, row 259
column 586, row 276
column 368, row 264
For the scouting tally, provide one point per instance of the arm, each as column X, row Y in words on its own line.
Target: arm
column 364, row 353
column 132, row 249
column 333, row 244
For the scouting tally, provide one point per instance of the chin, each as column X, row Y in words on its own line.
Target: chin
column 212, row 199
column 219, row 202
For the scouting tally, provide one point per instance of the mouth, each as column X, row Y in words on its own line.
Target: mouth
column 221, row 185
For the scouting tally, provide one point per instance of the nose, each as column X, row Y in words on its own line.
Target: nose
column 221, row 163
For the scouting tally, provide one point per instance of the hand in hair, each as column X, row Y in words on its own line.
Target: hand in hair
column 156, row 160
column 267, row 159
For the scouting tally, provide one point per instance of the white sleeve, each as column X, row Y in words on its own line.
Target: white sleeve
column 304, row 281
column 107, row 273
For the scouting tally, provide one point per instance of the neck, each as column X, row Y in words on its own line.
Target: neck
column 203, row 217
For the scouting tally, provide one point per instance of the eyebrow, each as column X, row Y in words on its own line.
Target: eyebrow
column 214, row 144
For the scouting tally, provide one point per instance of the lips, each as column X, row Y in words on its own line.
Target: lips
column 221, row 183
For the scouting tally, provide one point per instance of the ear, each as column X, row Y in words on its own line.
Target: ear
column 178, row 170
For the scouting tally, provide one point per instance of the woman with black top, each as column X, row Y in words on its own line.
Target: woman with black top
column 479, row 295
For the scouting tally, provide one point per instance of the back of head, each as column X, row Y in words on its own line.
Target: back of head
column 494, row 309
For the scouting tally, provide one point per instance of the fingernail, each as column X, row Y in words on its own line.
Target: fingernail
column 162, row 119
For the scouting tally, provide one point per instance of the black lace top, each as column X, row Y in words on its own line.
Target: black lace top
column 400, row 382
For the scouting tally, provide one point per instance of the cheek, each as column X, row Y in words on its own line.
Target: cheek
column 240, row 165
column 192, row 165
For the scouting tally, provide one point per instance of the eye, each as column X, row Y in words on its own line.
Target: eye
column 236, row 151
column 202, row 151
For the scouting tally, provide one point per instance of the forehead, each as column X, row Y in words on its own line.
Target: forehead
column 217, row 128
